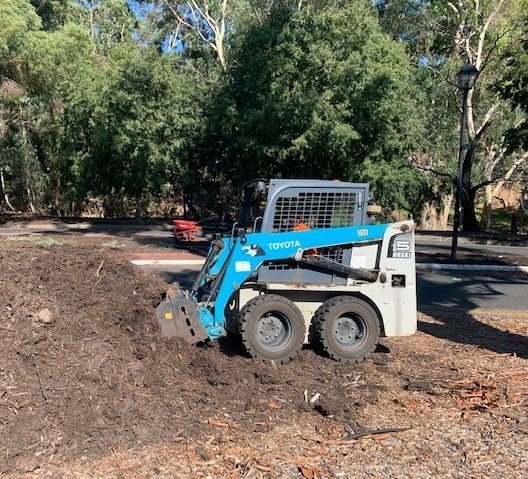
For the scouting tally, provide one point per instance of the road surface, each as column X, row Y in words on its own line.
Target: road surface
column 432, row 245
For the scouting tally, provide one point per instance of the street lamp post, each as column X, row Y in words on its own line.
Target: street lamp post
column 466, row 81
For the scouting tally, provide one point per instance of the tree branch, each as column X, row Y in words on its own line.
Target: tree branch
column 486, row 121
column 484, row 31
column 428, row 169
column 506, row 177
column 198, row 17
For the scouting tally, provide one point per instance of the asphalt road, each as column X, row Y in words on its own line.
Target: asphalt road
column 432, row 245
column 436, row 290
column 468, row 290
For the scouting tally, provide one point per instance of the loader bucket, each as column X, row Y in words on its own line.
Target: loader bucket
column 178, row 317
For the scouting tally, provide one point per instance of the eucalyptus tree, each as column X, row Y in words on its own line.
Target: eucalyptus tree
column 209, row 24
column 514, row 87
column 441, row 36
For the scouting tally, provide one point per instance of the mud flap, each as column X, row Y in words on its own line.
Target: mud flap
column 178, row 317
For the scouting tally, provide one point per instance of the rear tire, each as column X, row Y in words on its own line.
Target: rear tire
column 272, row 328
column 347, row 328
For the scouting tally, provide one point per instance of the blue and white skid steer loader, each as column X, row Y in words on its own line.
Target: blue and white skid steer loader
column 303, row 264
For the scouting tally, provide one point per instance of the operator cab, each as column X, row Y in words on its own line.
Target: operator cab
column 278, row 205
column 253, row 196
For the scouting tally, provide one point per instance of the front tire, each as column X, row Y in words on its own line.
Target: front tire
column 272, row 328
column 347, row 328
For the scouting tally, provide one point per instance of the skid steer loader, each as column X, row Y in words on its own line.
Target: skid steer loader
column 304, row 263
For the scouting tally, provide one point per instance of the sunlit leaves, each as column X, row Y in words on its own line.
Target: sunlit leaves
column 319, row 91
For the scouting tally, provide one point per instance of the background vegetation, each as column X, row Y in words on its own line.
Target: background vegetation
column 164, row 107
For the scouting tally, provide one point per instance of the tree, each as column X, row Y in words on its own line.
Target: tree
column 514, row 87
column 441, row 36
column 54, row 59
column 17, row 22
column 317, row 92
column 129, row 128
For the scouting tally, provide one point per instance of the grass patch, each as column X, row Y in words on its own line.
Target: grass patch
column 500, row 220
column 49, row 242
column 39, row 240
column 114, row 244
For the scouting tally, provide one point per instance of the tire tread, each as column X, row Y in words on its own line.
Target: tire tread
column 243, row 325
column 319, row 334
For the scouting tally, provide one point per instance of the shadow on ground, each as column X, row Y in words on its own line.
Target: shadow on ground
column 452, row 310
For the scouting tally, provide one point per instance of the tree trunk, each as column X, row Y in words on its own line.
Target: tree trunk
column 30, row 200
column 137, row 213
column 485, row 219
column 428, row 217
column 444, row 214
column 434, row 216
column 4, row 192
column 514, row 224
column 469, row 218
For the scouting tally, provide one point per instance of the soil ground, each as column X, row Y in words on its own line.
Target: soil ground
column 88, row 388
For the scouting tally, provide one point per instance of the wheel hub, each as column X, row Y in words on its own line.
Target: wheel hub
column 272, row 331
column 347, row 331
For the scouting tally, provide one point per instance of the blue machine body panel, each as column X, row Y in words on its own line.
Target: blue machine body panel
column 225, row 271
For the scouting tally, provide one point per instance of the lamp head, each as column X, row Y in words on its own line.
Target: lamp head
column 467, row 76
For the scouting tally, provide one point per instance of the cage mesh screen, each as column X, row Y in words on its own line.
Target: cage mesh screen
column 334, row 254
column 315, row 210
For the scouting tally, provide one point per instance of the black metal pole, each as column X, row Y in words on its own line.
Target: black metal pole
column 461, row 153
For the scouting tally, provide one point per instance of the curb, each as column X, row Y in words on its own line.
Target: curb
column 469, row 267
column 482, row 240
column 419, row 266
column 168, row 262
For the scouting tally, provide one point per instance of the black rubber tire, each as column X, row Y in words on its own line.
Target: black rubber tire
column 347, row 328
column 272, row 328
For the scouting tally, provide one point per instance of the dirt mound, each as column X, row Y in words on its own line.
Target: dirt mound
column 89, row 389
column 84, row 370
column 76, row 328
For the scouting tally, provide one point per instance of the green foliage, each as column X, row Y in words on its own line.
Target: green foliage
column 113, row 118
column 20, row 170
column 17, row 18
column 54, row 57
column 129, row 126
column 316, row 93
column 56, row 13
column 515, row 88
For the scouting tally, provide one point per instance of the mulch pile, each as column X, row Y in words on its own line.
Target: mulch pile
column 89, row 389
